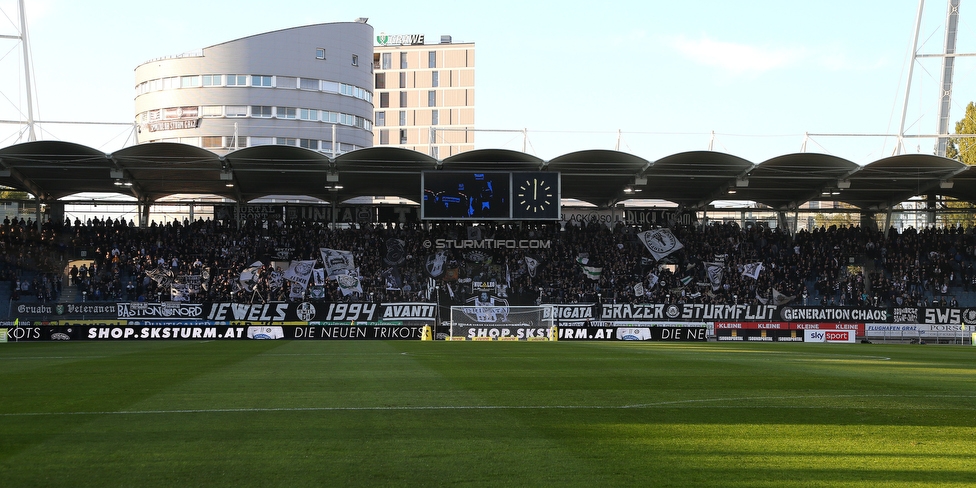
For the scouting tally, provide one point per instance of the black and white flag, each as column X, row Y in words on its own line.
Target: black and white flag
column 337, row 262
column 660, row 242
column 716, row 272
column 752, row 270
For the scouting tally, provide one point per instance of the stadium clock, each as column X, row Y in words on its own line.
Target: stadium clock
column 536, row 195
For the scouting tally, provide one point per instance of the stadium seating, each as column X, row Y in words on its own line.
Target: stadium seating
column 836, row 266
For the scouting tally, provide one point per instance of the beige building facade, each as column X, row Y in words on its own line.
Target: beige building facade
column 424, row 94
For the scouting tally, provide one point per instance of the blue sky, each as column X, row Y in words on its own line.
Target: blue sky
column 665, row 74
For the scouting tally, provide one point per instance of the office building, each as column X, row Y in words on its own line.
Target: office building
column 309, row 86
column 424, row 94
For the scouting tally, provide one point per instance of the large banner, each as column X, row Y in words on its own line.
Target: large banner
column 346, row 214
column 610, row 332
column 572, row 314
column 203, row 330
column 281, row 312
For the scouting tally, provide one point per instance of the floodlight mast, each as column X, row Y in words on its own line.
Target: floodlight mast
column 899, row 148
column 948, row 56
column 948, row 62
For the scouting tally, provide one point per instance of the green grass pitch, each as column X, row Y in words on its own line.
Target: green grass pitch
column 371, row 413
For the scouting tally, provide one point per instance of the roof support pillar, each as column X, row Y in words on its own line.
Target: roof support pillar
column 144, row 214
column 37, row 214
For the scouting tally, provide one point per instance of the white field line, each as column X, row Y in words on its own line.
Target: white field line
column 700, row 403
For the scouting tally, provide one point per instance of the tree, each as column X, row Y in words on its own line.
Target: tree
column 11, row 194
column 966, row 151
column 962, row 149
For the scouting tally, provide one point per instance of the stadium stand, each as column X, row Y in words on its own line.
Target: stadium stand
column 836, row 266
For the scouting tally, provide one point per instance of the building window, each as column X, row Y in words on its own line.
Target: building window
column 312, row 144
column 435, row 79
column 211, row 111
column 212, row 141
column 403, row 99
column 431, row 98
column 261, row 111
column 329, row 86
column 432, row 59
column 189, row 81
column 236, row 80
column 287, row 113
column 403, row 136
column 386, row 60
column 384, row 137
column 170, row 83
column 258, row 141
column 235, row 111
column 261, row 80
column 403, row 79
column 286, row 141
column 434, row 117
column 330, row 117
column 213, row 80
column 380, row 82
column 380, row 119
column 355, row 60
column 320, row 53
column 403, row 117
column 308, row 114
column 308, row 84
column 286, row 82
column 384, row 100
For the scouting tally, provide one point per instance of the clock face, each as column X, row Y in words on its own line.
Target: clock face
column 536, row 195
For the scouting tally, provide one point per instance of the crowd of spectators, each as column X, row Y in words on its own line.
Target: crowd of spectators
column 114, row 260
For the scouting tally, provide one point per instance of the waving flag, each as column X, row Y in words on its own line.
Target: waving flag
column 590, row 271
column 752, row 270
column 660, row 242
column 349, row 284
column 716, row 272
column 337, row 262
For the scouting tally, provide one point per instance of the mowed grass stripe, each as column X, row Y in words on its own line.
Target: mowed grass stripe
column 286, row 413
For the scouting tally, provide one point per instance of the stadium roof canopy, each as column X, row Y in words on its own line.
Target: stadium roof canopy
column 52, row 170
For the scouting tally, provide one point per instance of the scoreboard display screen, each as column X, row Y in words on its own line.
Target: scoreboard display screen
column 469, row 196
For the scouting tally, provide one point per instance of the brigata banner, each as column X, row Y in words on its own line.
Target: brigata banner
column 572, row 315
